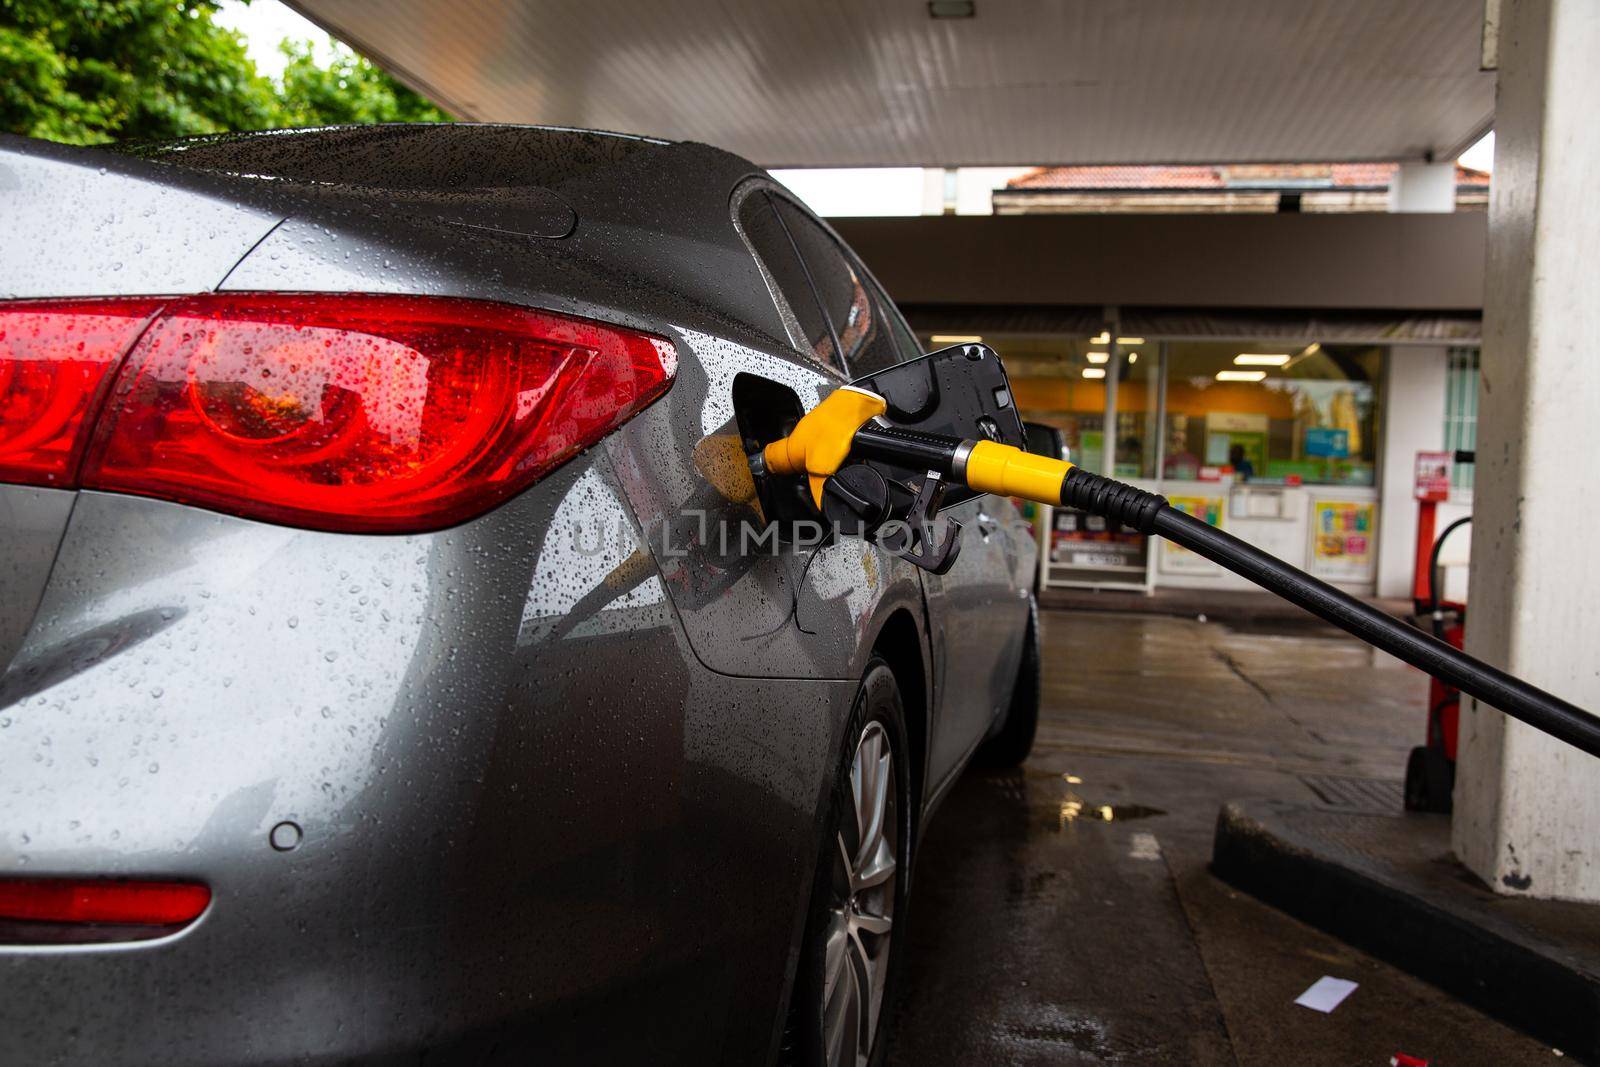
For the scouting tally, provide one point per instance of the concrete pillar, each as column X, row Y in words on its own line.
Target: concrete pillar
column 1424, row 187
column 1527, row 807
column 1413, row 421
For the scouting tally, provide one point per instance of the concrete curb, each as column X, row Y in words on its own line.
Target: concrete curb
column 1309, row 862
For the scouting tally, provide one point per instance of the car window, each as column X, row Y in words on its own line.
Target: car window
column 864, row 333
column 771, row 243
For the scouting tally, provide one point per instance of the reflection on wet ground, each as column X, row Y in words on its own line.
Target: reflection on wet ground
column 1074, row 806
column 1063, row 912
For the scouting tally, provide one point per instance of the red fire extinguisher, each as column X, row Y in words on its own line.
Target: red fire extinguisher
column 1431, row 768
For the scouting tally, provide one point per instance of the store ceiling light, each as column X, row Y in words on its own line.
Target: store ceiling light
column 1133, row 357
column 1098, row 357
column 1240, row 375
column 956, row 339
column 1130, row 340
column 1101, row 338
column 1094, row 372
column 1260, row 359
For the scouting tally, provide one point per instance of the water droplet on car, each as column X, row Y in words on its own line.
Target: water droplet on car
column 285, row 836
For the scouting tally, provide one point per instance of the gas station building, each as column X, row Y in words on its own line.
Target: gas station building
column 1314, row 351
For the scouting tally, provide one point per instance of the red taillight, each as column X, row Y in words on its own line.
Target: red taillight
column 55, row 358
column 363, row 412
column 67, row 900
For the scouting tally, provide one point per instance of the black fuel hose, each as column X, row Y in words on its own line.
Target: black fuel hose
column 1149, row 513
column 1433, row 562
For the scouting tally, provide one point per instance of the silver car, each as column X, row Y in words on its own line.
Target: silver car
column 398, row 666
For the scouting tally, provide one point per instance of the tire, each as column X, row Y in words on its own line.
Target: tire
column 1014, row 740
column 853, row 931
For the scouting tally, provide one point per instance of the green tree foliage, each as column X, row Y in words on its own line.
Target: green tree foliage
column 350, row 89
column 87, row 71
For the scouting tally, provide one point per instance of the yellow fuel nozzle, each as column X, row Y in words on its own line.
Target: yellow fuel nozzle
column 1004, row 470
column 823, row 438
column 820, row 442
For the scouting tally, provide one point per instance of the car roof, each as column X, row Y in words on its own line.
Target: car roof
column 435, row 156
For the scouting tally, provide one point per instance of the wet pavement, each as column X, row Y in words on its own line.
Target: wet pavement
column 1064, row 913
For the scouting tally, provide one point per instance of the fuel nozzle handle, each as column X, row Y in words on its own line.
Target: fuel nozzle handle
column 821, row 441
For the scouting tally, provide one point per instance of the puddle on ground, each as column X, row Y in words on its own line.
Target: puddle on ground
column 1074, row 807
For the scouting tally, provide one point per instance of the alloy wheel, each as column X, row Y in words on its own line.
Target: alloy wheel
column 861, row 906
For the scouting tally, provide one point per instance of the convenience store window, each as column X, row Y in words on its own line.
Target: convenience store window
column 1176, row 415
column 1273, row 412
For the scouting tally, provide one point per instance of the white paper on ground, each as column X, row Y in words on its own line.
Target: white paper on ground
column 1144, row 846
column 1326, row 994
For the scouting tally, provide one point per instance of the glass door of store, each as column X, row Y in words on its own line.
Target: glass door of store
column 1083, row 551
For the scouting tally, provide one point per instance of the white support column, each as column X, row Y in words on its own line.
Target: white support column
column 933, row 182
column 1424, row 187
column 975, row 187
column 1527, row 807
column 1413, row 421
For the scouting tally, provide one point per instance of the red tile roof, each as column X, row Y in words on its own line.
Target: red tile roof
column 1224, row 175
column 1151, row 177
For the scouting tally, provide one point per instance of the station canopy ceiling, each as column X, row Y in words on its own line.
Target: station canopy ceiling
column 882, row 82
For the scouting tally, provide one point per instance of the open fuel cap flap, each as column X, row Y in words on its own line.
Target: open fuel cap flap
column 961, row 391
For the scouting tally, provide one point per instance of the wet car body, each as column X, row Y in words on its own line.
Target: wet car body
column 545, row 782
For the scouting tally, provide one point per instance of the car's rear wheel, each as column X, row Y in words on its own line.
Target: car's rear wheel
column 843, row 995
